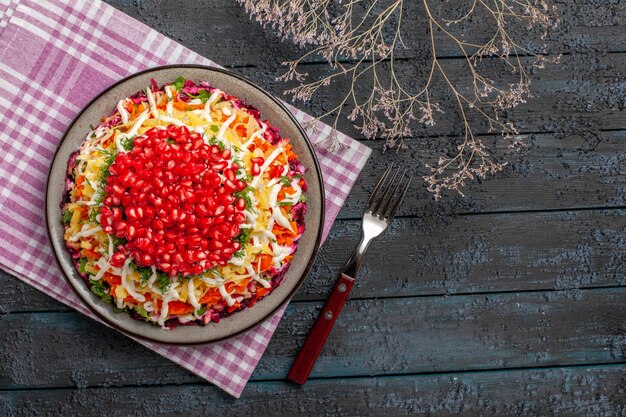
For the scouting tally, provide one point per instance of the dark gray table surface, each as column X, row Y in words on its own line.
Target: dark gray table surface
column 510, row 301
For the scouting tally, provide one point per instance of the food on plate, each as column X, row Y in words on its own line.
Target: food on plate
column 183, row 206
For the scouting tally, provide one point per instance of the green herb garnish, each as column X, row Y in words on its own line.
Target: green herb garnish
column 142, row 312
column 102, row 179
column 179, row 83
column 144, row 272
column 219, row 143
column 164, row 282
column 214, row 271
column 245, row 194
column 67, row 217
column 302, row 198
column 244, row 236
column 117, row 241
column 201, row 311
column 285, row 180
column 82, row 263
column 101, row 289
column 128, row 143
column 203, row 95
column 215, row 128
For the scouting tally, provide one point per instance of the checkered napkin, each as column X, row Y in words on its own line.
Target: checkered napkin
column 54, row 57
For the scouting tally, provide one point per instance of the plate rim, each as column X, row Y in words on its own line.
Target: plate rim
column 318, row 238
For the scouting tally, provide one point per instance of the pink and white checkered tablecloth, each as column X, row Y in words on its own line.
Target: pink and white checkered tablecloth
column 54, row 57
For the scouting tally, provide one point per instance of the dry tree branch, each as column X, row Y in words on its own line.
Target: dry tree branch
column 358, row 37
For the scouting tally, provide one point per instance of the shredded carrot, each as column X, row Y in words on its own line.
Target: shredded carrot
column 211, row 297
column 112, row 280
column 179, row 105
column 284, row 240
column 136, row 110
column 261, row 144
column 89, row 253
column 237, row 287
column 260, row 292
column 179, row 307
column 267, row 261
column 290, row 154
column 284, row 191
column 242, row 130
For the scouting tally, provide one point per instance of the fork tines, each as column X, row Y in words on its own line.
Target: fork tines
column 389, row 192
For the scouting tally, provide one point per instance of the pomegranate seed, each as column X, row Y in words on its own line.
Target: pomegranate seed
column 239, row 218
column 194, row 241
column 256, row 169
column 220, row 165
column 215, row 181
column 173, row 131
column 240, row 205
column 131, row 231
column 121, row 226
column 163, row 134
column 131, row 213
column 229, row 174
column 117, row 260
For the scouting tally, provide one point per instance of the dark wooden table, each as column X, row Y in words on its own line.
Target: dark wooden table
column 511, row 301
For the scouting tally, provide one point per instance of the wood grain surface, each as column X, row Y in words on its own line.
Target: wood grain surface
column 508, row 301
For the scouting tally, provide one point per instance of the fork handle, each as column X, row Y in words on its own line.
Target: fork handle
column 316, row 339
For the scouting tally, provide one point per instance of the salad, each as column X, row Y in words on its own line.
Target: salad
column 183, row 206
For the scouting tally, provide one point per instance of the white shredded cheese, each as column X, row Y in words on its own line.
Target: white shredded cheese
column 85, row 231
column 206, row 113
column 225, row 125
column 265, row 283
column 152, row 103
column 214, row 96
column 191, row 288
column 132, row 132
column 255, row 135
column 104, row 266
column 172, row 120
column 128, row 285
column 276, row 211
column 171, row 295
column 226, row 295
column 122, row 111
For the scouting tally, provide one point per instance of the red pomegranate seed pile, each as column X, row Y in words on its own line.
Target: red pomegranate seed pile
column 172, row 198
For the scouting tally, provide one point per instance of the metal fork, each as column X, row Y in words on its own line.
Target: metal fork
column 379, row 213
